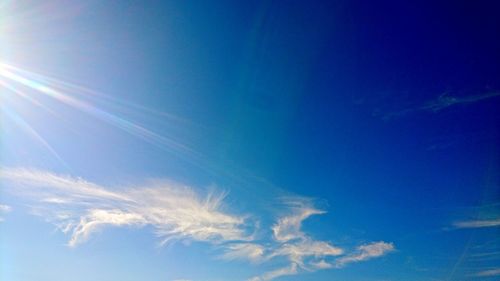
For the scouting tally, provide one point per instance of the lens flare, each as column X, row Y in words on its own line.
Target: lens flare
column 13, row 74
column 34, row 134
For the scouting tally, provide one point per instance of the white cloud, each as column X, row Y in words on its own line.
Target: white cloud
column 300, row 250
column 97, row 218
column 52, row 184
column 488, row 273
column 477, row 223
column 288, row 227
column 365, row 252
column 244, row 251
column 5, row 208
column 79, row 207
column 284, row 271
column 297, row 252
column 322, row 264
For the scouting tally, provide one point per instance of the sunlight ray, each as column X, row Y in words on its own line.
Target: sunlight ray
column 33, row 134
column 114, row 120
column 29, row 98
column 92, row 94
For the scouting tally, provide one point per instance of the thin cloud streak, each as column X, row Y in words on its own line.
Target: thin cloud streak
column 283, row 271
column 442, row 102
column 4, row 209
column 366, row 252
column 488, row 273
column 244, row 251
column 477, row 223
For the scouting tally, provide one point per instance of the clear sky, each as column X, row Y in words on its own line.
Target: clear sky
column 249, row 140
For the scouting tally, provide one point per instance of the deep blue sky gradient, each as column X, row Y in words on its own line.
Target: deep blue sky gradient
column 342, row 101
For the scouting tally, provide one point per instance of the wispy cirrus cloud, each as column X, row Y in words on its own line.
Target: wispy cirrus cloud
column 303, row 253
column 297, row 250
column 488, row 273
column 442, row 102
column 366, row 252
column 283, row 271
column 81, row 208
column 4, row 209
column 294, row 243
column 244, row 251
column 445, row 100
column 289, row 227
column 477, row 223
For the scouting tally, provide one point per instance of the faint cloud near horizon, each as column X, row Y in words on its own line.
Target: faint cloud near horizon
column 443, row 101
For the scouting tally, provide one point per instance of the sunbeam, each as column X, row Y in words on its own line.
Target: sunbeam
column 34, row 134
column 20, row 93
column 100, row 97
column 110, row 118
column 79, row 99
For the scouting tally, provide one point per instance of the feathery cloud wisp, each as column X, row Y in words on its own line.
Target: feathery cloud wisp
column 488, row 273
column 442, row 102
column 365, row 252
column 283, row 271
column 477, row 223
column 288, row 227
column 300, row 250
column 244, row 251
column 81, row 208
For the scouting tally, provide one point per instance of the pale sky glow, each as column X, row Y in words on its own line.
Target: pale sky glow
column 249, row 141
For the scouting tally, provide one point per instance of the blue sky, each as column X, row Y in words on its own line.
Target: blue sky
column 265, row 140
